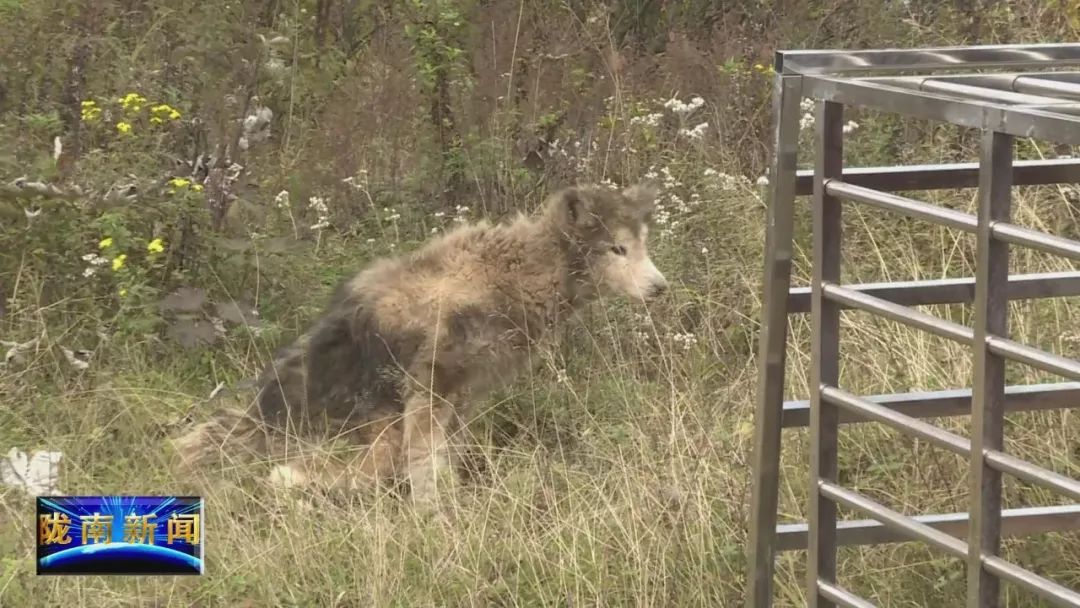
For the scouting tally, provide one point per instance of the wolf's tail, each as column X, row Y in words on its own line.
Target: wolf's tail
column 231, row 437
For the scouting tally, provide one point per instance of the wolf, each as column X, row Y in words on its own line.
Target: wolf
column 407, row 346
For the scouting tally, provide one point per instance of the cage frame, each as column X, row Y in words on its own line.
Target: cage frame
column 938, row 84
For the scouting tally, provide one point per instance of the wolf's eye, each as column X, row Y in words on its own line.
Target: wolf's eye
column 618, row 250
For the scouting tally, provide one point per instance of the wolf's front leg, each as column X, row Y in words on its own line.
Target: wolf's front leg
column 427, row 455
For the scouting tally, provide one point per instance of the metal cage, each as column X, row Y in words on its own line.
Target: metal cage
column 1033, row 100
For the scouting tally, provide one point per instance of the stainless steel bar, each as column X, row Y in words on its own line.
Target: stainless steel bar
column 1019, row 398
column 901, row 314
column 1072, row 109
column 1032, row 83
column 840, row 596
column 952, row 291
column 1019, row 122
column 907, row 526
column 1040, row 586
column 772, row 341
column 825, row 355
column 1014, row 523
column 1019, row 56
column 1018, row 235
column 1048, row 362
column 905, row 206
column 945, row 176
column 1056, row 75
column 1004, row 463
column 912, row 426
column 988, row 389
column 1045, row 124
column 963, row 91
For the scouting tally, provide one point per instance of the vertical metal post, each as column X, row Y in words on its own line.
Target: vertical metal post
column 825, row 355
column 772, row 341
column 988, row 389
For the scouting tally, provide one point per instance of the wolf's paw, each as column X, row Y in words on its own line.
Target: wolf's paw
column 287, row 476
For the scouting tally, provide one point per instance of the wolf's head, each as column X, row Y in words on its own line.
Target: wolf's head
column 607, row 231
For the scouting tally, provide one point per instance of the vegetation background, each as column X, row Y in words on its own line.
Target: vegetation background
column 184, row 181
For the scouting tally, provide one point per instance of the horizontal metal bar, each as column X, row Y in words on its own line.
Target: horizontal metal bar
column 840, row 596
column 945, row 176
column 1040, row 359
column 1020, row 56
column 1020, row 398
column 1039, row 585
column 901, row 422
column 1072, row 109
column 963, row 91
column 907, row 526
column 952, row 291
column 1032, row 473
column 1047, row 124
column 901, row 314
column 1014, row 523
column 974, row 114
column 903, row 205
column 1031, row 83
column 1018, row 235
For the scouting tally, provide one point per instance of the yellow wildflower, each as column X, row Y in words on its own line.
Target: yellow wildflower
column 123, row 292
column 759, row 67
column 179, row 182
column 197, row 187
column 132, row 101
column 118, row 261
column 123, row 127
column 155, row 120
column 105, row 243
column 155, row 246
column 165, row 109
column 91, row 112
column 89, row 103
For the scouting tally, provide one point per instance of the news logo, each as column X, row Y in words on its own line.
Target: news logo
column 160, row 535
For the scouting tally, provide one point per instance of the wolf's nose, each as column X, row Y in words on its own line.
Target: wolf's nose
column 657, row 290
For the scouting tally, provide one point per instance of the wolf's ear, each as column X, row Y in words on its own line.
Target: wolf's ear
column 574, row 207
column 643, row 197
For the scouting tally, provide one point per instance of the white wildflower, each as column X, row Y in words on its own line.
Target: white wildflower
column 850, row 126
column 697, row 132
column 318, row 205
column 688, row 340
column 763, row 180
column 281, row 201
column 649, row 120
column 684, row 109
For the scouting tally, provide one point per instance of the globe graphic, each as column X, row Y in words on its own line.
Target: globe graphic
column 132, row 558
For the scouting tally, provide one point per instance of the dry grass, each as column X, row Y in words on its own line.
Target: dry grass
column 625, row 484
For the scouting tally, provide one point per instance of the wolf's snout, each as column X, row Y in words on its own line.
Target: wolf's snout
column 657, row 289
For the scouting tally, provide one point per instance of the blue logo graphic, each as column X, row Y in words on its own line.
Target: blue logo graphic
column 160, row 535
